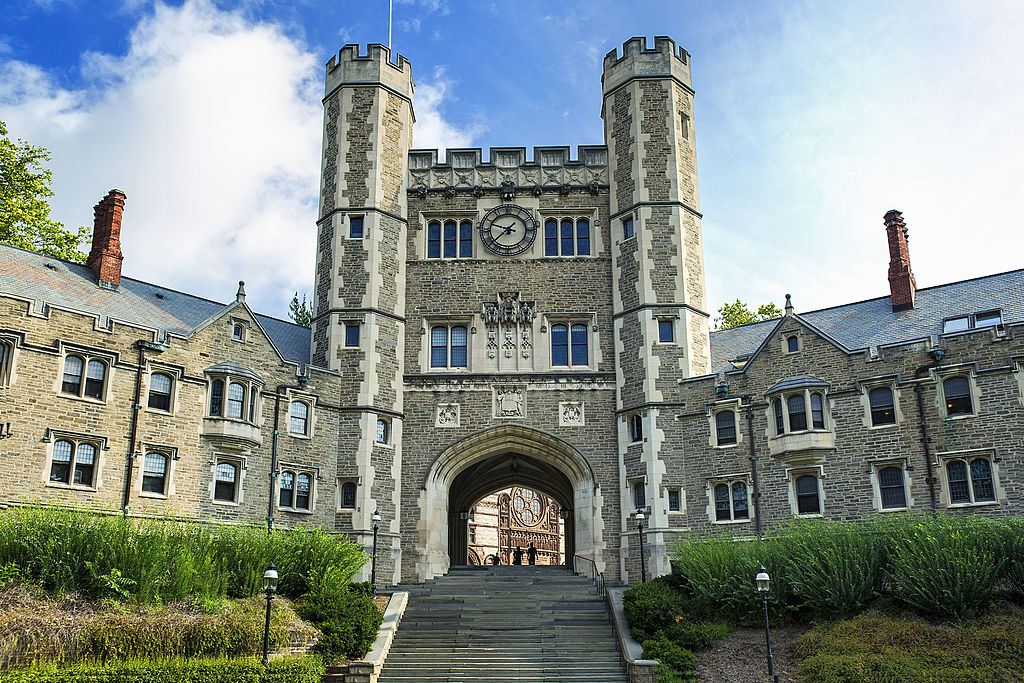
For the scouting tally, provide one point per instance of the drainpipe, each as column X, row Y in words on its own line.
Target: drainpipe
column 753, row 466
column 133, row 433
column 273, row 448
column 936, row 353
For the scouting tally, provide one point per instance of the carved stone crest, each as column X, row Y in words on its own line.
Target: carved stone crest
column 447, row 415
column 509, row 401
column 570, row 414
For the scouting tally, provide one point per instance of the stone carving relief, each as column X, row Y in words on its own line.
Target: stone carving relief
column 509, row 401
column 447, row 415
column 509, row 323
column 570, row 414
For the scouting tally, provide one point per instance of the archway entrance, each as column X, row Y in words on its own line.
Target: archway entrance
column 516, row 518
column 495, row 459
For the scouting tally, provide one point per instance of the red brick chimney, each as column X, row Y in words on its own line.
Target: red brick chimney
column 105, row 257
column 901, row 281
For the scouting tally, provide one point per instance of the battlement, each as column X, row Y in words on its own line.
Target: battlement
column 664, row 59
column 508, row 157
column 351, row 67
column 550, row 167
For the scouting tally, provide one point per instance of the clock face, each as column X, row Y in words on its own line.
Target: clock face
column 508, row 230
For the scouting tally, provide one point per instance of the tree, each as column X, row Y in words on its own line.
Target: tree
column 737, row 313
column 300, row 312
column 24, row 210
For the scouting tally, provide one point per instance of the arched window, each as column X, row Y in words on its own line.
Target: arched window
column 458, row 351
column 739, row 501
column 238, row 332
column 583, row 237
column 793, row 344
column 722, row 503
column 439, row 347
column 970, row 483
column 303, row 486
column 434, row 239
column 636, row 428
column 72, row 383
column 217, row 397
column 236, row 400
column 73, row 462
column 567, row 246
column 891, row 488
column 348, row 495
column 160, row 391
column 298, row 418
column 580, row 351
column 287, row 497
column 883, row 409
column 6, row 357
column 817, row 412
column 797, row 413
column 60, row 464
column 95, row 374
column 225, row 486
column 957, row 392
column 449, row 239
column 639, row 496
column 808, row 502
column 780, row 425
column 154, row 473
column 725, row 427
column 731, row 502
column 382, row 431
column 551, row 237
column 85, row 464
column 560, row 344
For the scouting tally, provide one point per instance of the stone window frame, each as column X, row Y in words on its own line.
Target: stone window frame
column 297, row 470
column 967, row 456
column 866, row 386
column 806, row 392
column 240, row 328
column 710, row 483
column 241, row 465
column 12, row 342
column 447, row 322
column 713, row 409
column 388, row 436
column 574, row 215
column 670, row 319
column 442, row 217
column 76, row 439
column 351, row 227
column 968, row 372
column 628, row 224
column 635, row 425
column 87, row 354
column 879, row 464
column 786, row 337
column 970, row 321
column 794, row 473
column 589, row 321
column 175, row 373
column 172, row 456
column 681, row 493
column 252, row 407
column 352, row 325
column 340, row 501
column 309, row 400
column 1018, row 371
column 637, row 484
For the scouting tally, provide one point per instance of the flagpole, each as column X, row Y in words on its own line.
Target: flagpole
column 389, row 23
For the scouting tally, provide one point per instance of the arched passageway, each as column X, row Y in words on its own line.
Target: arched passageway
column 495, row 458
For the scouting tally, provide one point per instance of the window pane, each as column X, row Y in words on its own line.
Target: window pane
column 351, row 335
column 236, row 400
column 627, row 228
column 60, row 466
column 882, row 409
column 780, row 426
column 6, row 351
column 85, row 459
column 890, row 485
column 797, row 413
column 981, row 480
column 459, row 347
column 95, row 372
column 722, row 510
column 817, row 412
column 665, row 330
column 160, row 391
column 298, row 418
column 583, row 237
column 959, row 491
column 72, row 375
column 673, row 501
column 382, row 431
column 559, row 344
column 465, row 239
column 639, row 496
column 348, row 495
column 725, row 427
column 551, row 237
column 355, row 224
column 302, row 492
column 807, row 496
column 957, row 391
column 579, row 345
column 793, row 344
column 567, row 249
column 956, row 324
column 287, row 489
column 225, row 482
column 636, row 427
column 154, row 473
column 449, row 239
column 434, row 240
column 988, row 319
column 739, row 500
column 217, row 397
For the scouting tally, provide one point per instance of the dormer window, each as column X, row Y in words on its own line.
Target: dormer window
column 962, row 323
column 800, row 422
column 792, row 344
column 238, row 332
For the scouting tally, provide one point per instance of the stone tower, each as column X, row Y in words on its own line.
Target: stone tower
column 661, row 326
column 359, row 297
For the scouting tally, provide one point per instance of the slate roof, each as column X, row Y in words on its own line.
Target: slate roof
column 797, row 381
column 865, row 324
column 52, row 281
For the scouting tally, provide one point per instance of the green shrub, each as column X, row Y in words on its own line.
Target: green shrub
column 1013, row 551
column 677, row 663
column 947, row 565
column 695, row 635
column 347, row 618
column 250, row 670
column 651, row 607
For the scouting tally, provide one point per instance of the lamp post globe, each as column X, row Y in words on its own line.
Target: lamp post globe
column 640, row 529
column 763, row 583
column 270, row 578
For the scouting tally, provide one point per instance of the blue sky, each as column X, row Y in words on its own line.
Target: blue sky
column 812, row 119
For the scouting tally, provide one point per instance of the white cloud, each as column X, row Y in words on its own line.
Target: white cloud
column 432, row 130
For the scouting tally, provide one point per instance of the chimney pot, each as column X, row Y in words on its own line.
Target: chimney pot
column 105, row 257
column 902, row 285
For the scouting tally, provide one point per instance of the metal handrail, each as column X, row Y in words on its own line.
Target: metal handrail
column 595, row 576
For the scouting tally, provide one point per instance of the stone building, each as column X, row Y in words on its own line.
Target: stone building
column 533, row 320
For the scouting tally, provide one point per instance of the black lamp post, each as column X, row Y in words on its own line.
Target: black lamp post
column 763, row 582
column 270, row 586
column 640, row 528
column 373, row 566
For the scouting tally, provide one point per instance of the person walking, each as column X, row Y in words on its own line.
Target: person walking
column 517, row 556
column 531, row 554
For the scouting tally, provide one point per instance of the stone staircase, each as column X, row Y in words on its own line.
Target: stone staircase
column 505, row 624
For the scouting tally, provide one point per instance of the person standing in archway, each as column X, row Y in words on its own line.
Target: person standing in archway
column 531, row 554
column 517, row 555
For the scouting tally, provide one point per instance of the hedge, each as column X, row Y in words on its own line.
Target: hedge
column 250, row 670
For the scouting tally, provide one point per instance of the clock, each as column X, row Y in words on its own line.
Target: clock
column 508, row 230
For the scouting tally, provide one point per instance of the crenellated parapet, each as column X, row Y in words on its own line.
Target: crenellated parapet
column 640, row 61
column 509, row 169
column 349, row 67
